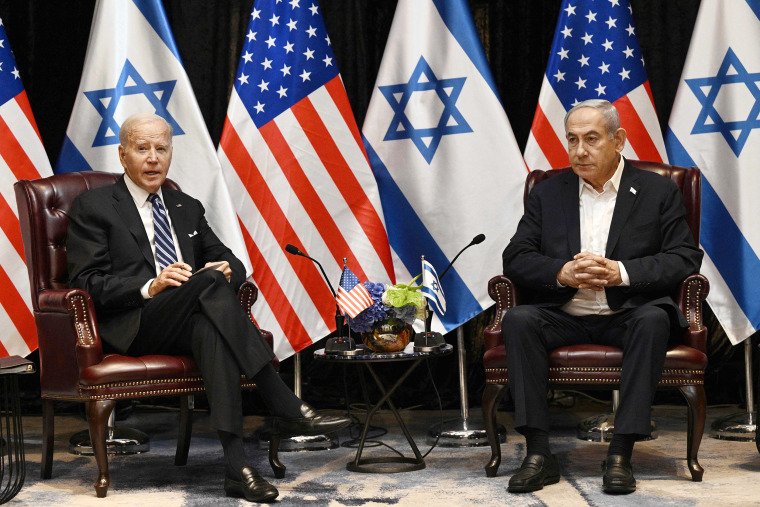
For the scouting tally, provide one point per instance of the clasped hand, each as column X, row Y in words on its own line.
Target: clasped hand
column 178, row 273
column 590, row 271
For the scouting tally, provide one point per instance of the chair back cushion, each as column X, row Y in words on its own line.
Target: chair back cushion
column 687, row 179
column 43, row 206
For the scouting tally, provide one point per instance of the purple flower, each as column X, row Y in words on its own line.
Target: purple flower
column 365, row 321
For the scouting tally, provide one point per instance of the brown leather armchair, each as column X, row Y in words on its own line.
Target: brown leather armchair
column 73, row 366
column 598, row 366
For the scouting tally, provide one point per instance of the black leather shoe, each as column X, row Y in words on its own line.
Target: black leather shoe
column 618, row 475
column 310, row 424
column 535, row 472
column 253, row 487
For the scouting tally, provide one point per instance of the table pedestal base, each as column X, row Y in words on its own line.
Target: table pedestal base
column 385, row 465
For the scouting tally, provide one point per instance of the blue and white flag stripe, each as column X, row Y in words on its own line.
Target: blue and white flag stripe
column 713, row 125
column 431, row 288
column 443, row 152
column 132, row 65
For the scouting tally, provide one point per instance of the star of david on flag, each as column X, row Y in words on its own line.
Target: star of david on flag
column 293, row 160
column 443, row 153
column 595, row 54
column 22, row 156
column 133, row 66
column 107, row 100
column 713, row 125
column 423, row 79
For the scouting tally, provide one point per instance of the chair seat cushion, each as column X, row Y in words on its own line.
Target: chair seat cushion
column 599, row 364
column 115, row 368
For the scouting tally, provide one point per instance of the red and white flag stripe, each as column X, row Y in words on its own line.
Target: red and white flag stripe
column 546, row 147
column 354, row 301
column 22, row 156
column 303, row 179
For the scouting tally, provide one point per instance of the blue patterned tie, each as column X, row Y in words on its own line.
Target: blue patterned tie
column 165, row 251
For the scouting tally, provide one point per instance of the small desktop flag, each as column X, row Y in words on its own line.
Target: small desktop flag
column 353, row 298
column 431, row 288
column 714, row 125
column 595, row 55
column 22, row 156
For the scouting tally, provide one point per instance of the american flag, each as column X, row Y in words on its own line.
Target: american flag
column 595, row 55
column 353, row 298
column 22, row 156
column 297, row 172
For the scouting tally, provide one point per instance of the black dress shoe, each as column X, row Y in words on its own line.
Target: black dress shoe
column 311, row 423
column 618, row 475
column 535, row 472
column 253, row 487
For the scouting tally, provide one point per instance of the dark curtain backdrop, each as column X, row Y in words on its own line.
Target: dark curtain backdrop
column 50, row 38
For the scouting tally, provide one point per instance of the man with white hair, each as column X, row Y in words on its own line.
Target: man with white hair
column 137, row 250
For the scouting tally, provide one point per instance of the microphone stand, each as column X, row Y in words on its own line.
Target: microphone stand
column 339, row 345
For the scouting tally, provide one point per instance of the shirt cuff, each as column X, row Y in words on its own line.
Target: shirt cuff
column 144, row 289
column 624, row 275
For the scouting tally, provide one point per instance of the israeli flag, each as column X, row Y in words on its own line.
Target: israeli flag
column 431, row 288
column 713, row 126
column 133, row 66
column 443, row 152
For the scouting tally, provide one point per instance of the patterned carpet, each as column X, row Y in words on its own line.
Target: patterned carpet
column 453, row 476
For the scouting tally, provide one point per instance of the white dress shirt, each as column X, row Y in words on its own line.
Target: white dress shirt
column 145, row 209
column 596, row 209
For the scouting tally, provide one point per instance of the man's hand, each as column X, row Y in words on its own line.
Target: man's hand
column 590, row 271
column 173, row 275
column 224, row 268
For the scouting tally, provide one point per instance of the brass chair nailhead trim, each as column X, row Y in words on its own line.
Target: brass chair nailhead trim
column 80, row 320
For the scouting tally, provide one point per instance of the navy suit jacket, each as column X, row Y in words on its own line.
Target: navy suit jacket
column 648, row 233
column 109, row 255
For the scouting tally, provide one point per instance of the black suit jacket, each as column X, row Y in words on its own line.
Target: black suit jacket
column 109, row 255
column 648, row 233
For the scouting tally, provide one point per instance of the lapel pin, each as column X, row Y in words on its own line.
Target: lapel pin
column 179, row 205
column 633, row 191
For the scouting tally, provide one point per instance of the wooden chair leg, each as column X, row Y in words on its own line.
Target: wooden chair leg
column 97, row 418
column 186, row 406
column 274, row 460
column 696, row 399
column 48, row 439
column 491, row 395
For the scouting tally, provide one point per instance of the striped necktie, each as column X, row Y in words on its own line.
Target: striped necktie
column 165, row 251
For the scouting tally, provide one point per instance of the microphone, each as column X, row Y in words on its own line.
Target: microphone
column 430, row 341
column 475, row 241
column 337, row 345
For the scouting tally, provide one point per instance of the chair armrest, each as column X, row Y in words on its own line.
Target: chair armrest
column 69, row 329
column 692, row 292
column 504, row 293
column 247, row 295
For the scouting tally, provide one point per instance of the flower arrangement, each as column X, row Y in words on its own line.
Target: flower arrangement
column 403, row 302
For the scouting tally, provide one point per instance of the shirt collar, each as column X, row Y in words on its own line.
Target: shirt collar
column 613, row 183
column 139, row 194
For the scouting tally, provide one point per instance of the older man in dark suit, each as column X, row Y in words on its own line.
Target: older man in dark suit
column 137, row 249
column 598, row 252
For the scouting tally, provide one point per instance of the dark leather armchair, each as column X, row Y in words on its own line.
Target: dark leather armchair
column 597, row 366
column 73, row 366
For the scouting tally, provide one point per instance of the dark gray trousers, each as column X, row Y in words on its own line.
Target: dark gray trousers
column 203, row 318
column 530, row 333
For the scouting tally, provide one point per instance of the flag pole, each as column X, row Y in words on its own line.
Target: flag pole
column 741, row 426
column 462, row 432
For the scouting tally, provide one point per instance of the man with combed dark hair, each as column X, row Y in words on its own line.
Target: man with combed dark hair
column 136, row 249
column 597, row 254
